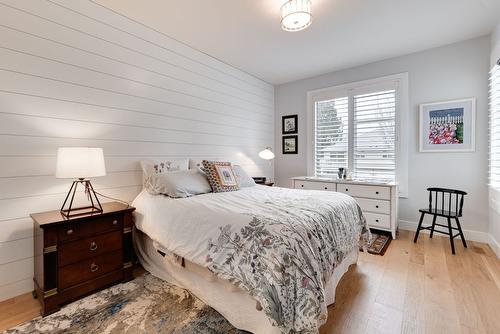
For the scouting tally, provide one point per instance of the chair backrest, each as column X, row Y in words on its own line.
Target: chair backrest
column 446, row 200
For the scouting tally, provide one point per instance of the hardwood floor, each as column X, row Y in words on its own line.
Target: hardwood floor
column 413, row 288
column 420, row 288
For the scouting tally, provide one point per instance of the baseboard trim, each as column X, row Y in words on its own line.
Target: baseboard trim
column 471, row 235
column 495, row 245
column 468, row 234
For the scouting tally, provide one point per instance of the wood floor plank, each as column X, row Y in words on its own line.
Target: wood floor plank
column 484, row 290
column 467, row 309
column 439, row 309
column 413, row 321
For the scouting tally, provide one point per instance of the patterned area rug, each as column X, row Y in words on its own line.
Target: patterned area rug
column 380, row 243
column 144, row 305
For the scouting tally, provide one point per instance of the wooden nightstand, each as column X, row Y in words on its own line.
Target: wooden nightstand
column 77, row 256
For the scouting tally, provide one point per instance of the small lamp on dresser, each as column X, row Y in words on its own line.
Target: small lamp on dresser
column 79, row 164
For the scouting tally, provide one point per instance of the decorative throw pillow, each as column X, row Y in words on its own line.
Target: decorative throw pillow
column 178, row 184
column 220, row 175
column 242, row 177
column 151, row 168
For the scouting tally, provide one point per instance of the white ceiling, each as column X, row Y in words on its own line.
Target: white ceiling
column 344, row 33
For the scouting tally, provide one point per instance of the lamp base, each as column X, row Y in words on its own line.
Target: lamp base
column 95, row 206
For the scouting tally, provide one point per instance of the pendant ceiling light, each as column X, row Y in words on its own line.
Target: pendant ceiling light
column 296, row 15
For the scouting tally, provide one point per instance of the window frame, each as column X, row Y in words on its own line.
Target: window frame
column 399, row 82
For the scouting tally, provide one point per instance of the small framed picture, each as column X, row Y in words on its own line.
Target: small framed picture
column 448, row 126
column 289, row 124
column 289, row 144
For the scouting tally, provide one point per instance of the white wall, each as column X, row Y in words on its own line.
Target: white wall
column 495, row 194
column 450, row 72
column 72, row 73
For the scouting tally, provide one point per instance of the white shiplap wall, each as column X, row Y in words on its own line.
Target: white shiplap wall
column 73, row 73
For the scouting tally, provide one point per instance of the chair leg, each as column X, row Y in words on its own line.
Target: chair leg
column 433, row 225
column 460, row 231
column 419, row 226
column 450, row 231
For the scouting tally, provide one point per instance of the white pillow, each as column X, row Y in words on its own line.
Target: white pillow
column 183, row 183
column 151, row 168
column 242, row 177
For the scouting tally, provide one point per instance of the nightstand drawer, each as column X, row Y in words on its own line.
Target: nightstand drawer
column 89, row 269
column 76, row 251
column 81, row 229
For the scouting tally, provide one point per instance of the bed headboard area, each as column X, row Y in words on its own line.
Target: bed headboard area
column 74, row 73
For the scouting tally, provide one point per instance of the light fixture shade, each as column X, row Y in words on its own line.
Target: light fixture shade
column 80, row 162
column 266, row 154
column 296, row 15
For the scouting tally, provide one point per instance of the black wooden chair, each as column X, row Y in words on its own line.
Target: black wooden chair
column 441, row 205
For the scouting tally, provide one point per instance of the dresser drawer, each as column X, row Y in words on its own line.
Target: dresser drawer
column 374, row 205
column 356, row 190
column 377, row 220
column 78, row 230
column 310, row 185
column 76, row 251
column 89, row 269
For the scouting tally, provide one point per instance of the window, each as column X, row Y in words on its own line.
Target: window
column 495, row 127
column 356, row 126
column 374, row 136
column 331, row 135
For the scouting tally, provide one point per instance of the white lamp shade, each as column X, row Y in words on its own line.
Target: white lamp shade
column 80, row 162
column 266, row 154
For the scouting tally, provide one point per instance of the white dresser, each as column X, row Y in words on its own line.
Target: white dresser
column 379, row 201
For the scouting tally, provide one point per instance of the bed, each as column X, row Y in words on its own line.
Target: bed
column 267, row 258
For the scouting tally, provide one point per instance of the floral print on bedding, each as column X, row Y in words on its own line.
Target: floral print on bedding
column 285, row 261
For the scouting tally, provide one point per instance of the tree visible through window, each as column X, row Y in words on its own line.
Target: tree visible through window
column 370, row 150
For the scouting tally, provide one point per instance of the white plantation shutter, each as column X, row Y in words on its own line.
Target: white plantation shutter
column 331, row 136
column 495, row 127
column 375, row 136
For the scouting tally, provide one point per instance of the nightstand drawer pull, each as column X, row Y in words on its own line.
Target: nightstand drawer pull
column 115, row 222
column 93, row 246
column 94, row 267
column 70, row 231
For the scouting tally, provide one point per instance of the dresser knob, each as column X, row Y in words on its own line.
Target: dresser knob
column 326, row 188
column 115, row 222
column 376, row 192
column 94, row 267
column 376, row 206
column 70, row 231
column 93, row 246
column 376, row 220
column 302, row 185
column 346, row 189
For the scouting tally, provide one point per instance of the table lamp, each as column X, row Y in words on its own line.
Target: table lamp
column 266, row 154
column 80, row 163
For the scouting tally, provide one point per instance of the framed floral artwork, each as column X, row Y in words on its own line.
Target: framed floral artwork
column 289, row 145
column 448, row 126
column 289, row 124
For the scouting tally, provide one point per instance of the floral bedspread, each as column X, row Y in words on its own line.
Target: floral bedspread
column 284, row 261
column 281, row 245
